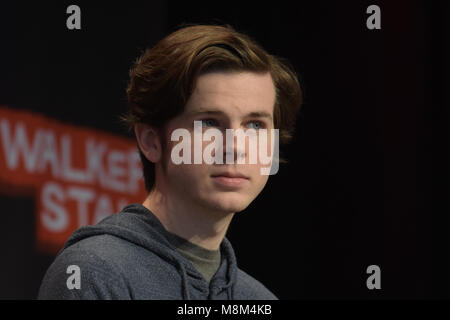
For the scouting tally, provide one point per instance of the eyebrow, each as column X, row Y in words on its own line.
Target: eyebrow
column 254, row 114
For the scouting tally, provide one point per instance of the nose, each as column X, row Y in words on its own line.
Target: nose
column 235, row 145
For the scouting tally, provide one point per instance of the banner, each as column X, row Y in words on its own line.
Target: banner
column 77, row 175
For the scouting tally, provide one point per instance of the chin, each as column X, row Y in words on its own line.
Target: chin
column 229, row 202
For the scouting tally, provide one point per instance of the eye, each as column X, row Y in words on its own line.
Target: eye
column 256, row 125
column 209, row 122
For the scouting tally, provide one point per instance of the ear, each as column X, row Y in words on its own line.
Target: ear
column 149, row 142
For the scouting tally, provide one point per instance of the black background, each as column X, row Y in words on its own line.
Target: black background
column 368, row 175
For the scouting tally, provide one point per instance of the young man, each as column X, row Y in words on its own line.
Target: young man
column 173, row 245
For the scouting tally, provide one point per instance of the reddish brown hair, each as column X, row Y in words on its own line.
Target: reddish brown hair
column 163, row 78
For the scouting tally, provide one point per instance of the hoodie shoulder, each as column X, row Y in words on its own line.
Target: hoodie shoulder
column 248, row 288
column 111, row 268
column 97, row 278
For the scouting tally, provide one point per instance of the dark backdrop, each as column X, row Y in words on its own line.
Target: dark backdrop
column 367, row 178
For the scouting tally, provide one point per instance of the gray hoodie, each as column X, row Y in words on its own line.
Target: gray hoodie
column 128, row 256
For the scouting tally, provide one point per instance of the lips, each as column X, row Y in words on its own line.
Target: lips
column 230, row 175
column 230, row 180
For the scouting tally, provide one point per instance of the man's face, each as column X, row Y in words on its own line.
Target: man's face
column 223, row 101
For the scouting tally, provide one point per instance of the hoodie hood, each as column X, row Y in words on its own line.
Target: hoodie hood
column 138, row 225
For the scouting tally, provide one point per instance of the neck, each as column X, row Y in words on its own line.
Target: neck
column 202, row 226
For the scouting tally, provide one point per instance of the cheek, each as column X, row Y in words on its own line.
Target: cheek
column 259, row 179
column 191, row 176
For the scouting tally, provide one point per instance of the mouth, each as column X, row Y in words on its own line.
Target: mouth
column 230, row 179
column 230, row 175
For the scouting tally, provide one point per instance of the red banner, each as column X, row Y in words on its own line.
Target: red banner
column 77, row 175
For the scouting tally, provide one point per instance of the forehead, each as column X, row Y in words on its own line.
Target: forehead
column 233, row 93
